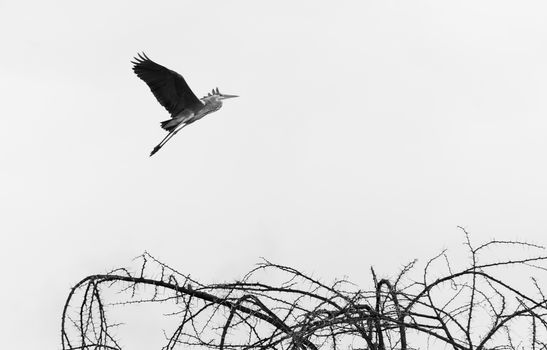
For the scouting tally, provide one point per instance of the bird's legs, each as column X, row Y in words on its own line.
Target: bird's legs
column 165, row 139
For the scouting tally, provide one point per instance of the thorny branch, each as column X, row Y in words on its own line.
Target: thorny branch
column 469, row 308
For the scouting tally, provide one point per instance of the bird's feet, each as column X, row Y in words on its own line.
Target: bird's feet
column 157, row 148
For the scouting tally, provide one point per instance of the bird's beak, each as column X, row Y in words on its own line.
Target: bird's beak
column 224, row 96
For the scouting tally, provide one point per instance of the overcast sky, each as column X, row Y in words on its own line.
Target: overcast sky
column 364, row 134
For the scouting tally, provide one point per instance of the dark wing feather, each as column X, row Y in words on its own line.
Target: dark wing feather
column 169, row 87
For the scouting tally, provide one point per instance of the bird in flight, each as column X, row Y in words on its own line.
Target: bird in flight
column 173, row 93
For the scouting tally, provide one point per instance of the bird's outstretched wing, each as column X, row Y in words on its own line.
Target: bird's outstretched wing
column 169, row 87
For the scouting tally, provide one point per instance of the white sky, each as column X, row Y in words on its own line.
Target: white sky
column 365, row 133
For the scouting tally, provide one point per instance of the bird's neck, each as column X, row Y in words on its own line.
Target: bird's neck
column 211, row 103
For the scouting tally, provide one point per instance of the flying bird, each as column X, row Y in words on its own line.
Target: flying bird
column 173, row 93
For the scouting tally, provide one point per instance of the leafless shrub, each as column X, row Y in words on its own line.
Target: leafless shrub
column 475, row 307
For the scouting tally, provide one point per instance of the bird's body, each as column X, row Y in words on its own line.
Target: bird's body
column 210, row 104
column 173, row 93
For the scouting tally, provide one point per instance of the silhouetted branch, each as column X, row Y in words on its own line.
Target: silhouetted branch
column 469, row 308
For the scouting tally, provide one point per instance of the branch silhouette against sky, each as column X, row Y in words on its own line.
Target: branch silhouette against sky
column 279, row 307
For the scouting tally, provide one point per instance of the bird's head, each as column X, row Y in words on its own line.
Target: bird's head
column 219, row 96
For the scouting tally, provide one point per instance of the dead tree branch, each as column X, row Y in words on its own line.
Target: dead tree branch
column 475, row 307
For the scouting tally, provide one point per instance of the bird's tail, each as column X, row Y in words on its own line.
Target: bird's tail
column 169, row 125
